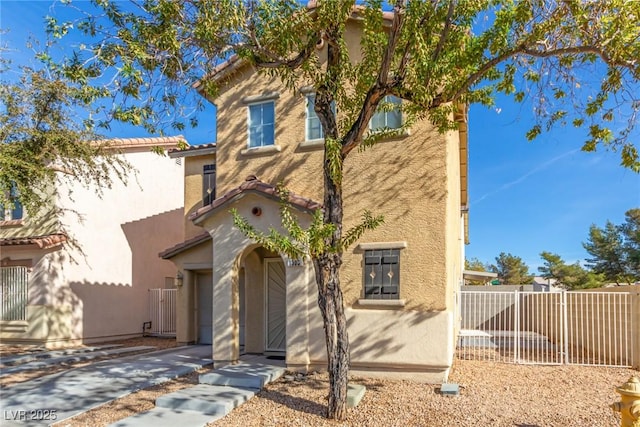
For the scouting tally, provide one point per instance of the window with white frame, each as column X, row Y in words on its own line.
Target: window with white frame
column 390, row 119
column 262, row 124
column 313, row 126
column 382, row 274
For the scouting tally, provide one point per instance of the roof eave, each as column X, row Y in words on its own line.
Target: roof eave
column 192, row 152
column 184, row 246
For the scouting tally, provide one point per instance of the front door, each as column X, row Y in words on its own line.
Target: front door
column 205, row 308
column 275, row 306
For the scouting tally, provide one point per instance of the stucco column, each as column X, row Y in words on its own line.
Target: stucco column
column 299, row 278
column 184, row 310
column 223, row 339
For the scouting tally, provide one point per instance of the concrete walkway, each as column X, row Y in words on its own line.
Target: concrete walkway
column 25, row 365
column 77, row 390
column 218, row 393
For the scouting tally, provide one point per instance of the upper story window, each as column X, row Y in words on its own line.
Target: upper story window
column 381, row 274
column 313, row 126
column 262, row 124
column 208, row 184
column 14, row 211
column 391, row 119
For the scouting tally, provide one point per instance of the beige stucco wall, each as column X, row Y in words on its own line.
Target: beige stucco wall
column 414, row 181
column 97, row 287
column 120, row 236
column 190, row 262
column 54, row 312
column 232, row 251
column 406, row 180
column 193, row 166
column 416, row 343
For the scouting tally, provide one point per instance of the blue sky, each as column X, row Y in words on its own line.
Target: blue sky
column 525, row 197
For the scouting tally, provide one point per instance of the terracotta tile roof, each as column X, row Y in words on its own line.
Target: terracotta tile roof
column 192, row 150
column 183, row 246
column 42, row 242
column 253, row 185
column 163, row 141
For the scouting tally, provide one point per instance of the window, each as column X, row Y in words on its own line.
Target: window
column 14, row 211
column 262, row 124
column 381, row 274
column 208, row 184
column 387, row 119
column 314, row 127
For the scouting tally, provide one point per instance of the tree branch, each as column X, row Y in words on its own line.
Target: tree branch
column 573, row 50
column 382, row 85
column 277, row 62
column 445, row 31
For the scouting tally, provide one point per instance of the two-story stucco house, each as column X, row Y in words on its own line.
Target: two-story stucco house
column 80, row 270
column 400, row 281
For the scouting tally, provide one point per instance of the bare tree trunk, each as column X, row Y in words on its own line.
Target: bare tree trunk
column 335, row 326
column 327, row 269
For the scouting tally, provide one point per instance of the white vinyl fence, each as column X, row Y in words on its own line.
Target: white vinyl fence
column 162, row 312
column 583, row 328
column 13, row 293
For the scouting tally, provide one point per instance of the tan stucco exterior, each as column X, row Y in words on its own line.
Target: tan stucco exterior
column 415, row 181
column 95, row 287
column 193, row 189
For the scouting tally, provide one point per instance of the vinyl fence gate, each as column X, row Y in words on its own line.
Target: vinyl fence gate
column 581, row 328
column 162, row 312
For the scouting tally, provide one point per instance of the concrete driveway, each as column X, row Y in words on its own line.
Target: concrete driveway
column 52, row 398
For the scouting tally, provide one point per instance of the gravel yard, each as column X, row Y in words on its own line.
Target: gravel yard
column 492, row 394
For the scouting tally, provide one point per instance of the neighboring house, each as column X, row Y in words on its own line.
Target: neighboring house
column 400, row 281
column 479, row 278
column 541, row 284
column 81, row 269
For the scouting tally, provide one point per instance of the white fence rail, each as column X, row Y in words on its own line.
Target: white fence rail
column 13, row 293
column 162, row 312
column 583, row 328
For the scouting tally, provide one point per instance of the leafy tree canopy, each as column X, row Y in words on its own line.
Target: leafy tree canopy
column 615, row 249
column 434, row 55
column 568, row 276
column 511, row 270
column 474, row 264
column 44, row 141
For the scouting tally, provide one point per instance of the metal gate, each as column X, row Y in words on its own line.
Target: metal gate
column 14, row 283
column 162, row 311
column 582, row 328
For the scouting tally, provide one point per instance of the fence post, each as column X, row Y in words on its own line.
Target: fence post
column 565, row 328
column 517, row 326
column 635, row 329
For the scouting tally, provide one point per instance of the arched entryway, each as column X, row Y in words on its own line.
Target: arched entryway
column 262, row 309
